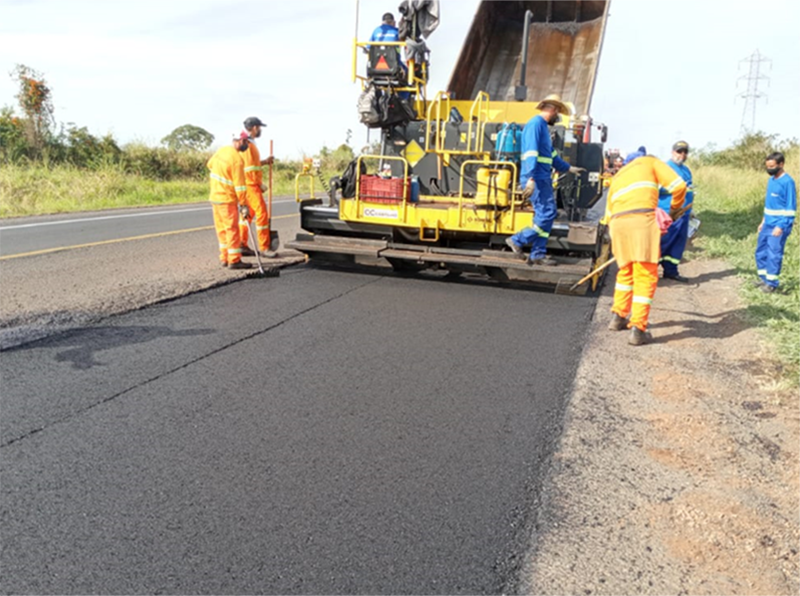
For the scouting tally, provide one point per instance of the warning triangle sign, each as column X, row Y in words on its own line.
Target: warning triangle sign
column 382, row 64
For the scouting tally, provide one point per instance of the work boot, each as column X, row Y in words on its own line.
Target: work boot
column 638, row 337
column 757, row 283
column 247, row 252
column 768, row 289
column 223, row 263
column 515, row 247
column 240, row 265
column 677, row 277
column 545, row 261
column 274, row 244
column 617, row 323
column 268, row 254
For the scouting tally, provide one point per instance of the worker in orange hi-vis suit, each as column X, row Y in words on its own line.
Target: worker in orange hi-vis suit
column 636, row 237
column 228, row 192
column 255, row 193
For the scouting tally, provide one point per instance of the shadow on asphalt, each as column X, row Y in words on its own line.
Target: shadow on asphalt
column 82, row 345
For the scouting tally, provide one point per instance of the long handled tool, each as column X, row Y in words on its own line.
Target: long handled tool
column 589, row 276
column 583, row 280
column 274, row 238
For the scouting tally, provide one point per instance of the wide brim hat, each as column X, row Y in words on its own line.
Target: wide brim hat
column 555, row 99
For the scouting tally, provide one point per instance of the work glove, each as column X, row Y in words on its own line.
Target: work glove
column 576, row 170
column 264, row 188
column 244, row 211
column 530, row 185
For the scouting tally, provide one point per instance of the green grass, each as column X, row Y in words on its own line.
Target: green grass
column 730, row 204
column 37, row 190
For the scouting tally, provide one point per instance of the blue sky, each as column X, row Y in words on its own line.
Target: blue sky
column 140, row 69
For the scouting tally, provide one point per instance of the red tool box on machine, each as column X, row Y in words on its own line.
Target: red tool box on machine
column 383, row 190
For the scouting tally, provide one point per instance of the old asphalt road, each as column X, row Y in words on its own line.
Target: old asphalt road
column 322, row 432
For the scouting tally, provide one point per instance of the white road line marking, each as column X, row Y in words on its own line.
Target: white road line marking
column 103, row 217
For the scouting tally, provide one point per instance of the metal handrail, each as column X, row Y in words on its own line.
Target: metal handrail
column 406, row 189
column 512, row 191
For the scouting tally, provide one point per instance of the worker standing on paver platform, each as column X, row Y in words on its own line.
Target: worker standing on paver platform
column 780, row 209
column 535, row 177
column 635, row 237
column 255, row 193
column 228, row 192
column 673, row 243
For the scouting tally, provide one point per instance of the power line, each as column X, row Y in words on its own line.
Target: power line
column 751, row 95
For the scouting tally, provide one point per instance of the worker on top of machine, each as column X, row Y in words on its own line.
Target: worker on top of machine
column 635, row 237
column 228, row 192
column 673, row 243
column 387, row 30
column 538, row 159
column 255, row 193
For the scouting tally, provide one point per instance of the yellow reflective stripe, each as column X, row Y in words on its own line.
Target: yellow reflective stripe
column 252, row 168
column 762, row 272
column 234, row 251
column 632, row 187
column 642, row 300
column 623, row 288
column 772, row 277
column 674, row 184
column 554, row 153
column 239, row 188
column 544, row 159
column 540, row 231
column 671, row 260
column 221, row 179
column 528, row 154
column 780, row 212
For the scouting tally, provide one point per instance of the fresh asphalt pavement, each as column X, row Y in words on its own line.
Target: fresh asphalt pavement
column 28, row 234
column 321, row 432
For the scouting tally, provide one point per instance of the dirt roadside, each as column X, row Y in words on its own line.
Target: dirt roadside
column 677, row 472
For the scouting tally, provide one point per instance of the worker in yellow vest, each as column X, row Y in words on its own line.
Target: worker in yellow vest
column 228, row 192
column 255, row 193
column 636, row 236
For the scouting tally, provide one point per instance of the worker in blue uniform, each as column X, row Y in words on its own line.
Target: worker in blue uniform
column 673, row 243
column 538, row 160
column 780, row 208
column 386, row 31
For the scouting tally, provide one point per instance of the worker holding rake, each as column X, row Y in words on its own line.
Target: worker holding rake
column 257, row 207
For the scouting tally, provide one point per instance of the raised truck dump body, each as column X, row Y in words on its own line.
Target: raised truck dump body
column 440, row 194
column 564, row 43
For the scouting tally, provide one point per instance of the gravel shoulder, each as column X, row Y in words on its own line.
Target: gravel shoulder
column 677, row 472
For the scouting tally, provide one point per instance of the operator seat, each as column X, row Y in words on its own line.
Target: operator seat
column 384, row 65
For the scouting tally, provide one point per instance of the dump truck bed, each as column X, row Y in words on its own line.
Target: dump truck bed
column 565, row 40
